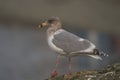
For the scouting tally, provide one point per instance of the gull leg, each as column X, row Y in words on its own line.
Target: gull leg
column 54, row 72
column 69, row 65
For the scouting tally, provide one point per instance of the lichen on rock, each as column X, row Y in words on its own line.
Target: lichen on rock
column 111, row 72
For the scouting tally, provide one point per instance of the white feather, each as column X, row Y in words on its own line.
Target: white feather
column 58, row 31
column 81, row 39
column 95, row 57
column 90, row 49
column 52, row 45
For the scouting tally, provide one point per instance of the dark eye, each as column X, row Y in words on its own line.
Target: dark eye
column 50, row 21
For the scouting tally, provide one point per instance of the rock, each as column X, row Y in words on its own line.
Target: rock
column 111, row 72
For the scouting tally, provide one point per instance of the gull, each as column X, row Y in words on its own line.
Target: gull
column 68, row 44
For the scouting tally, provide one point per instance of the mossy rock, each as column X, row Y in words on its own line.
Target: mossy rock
column 111, row 72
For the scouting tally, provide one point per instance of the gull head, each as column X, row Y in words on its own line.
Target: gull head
column 53, row 21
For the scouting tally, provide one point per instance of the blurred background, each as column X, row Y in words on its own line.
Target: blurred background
column 24, row 53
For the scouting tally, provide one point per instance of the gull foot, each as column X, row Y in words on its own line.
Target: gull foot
column 54, row 74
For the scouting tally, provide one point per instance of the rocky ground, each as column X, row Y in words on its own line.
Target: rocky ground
column 111, row 72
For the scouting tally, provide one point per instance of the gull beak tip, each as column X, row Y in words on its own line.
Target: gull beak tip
column 39, row 26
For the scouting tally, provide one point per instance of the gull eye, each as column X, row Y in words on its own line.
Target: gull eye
column 50, row 21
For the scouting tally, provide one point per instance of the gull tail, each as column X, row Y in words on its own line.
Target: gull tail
column 103, row 54
column 96, row 57
column 97, row 54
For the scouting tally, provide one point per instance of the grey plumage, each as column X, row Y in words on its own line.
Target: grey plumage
column 70, row 42
column 67, row 44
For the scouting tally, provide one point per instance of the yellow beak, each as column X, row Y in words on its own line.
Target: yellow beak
column 42, row 24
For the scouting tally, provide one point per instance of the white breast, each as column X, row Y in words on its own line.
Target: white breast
column 52, row 45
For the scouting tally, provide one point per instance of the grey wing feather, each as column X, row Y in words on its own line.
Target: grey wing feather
column 70, row 42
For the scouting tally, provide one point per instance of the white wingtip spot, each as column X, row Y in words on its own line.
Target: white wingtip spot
column 104, row 54
column 95, row 57
column 107, row 55
column 81, row 39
